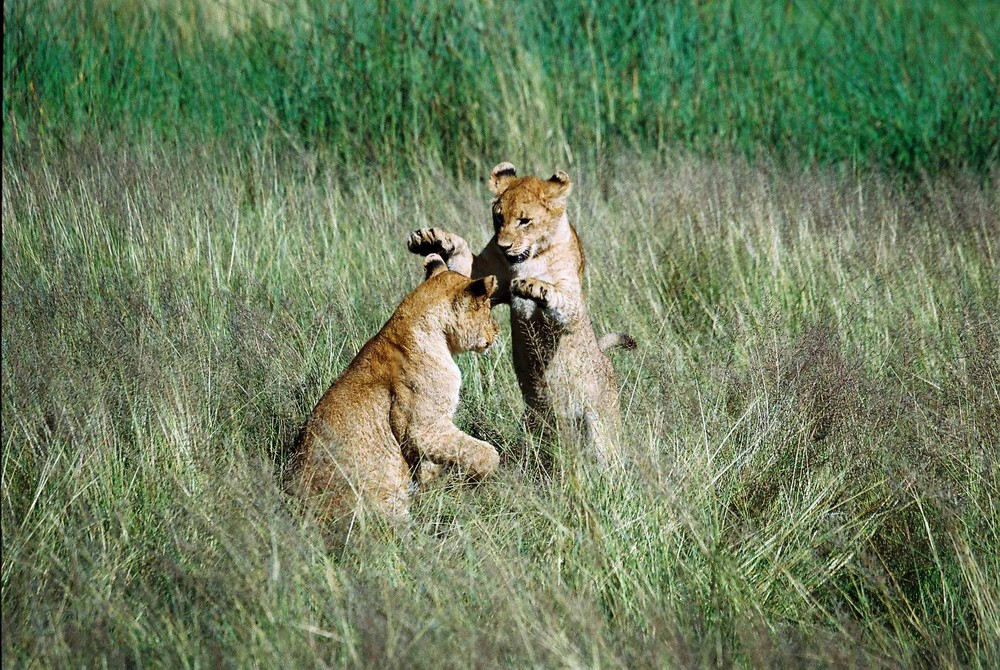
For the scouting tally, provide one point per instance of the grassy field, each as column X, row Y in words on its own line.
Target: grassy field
column 794, row 210
column 813, row 422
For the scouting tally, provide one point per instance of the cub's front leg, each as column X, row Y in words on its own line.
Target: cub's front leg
column 453, row 249
column 444, row 442
column 547, row 296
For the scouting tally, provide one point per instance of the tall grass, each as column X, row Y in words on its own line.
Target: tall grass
column 812, row 414
column 908, row 85
column 203, row 213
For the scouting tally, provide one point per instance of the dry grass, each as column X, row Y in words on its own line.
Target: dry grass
column 812, row 409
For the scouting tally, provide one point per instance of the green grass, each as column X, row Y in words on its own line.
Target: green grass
column 813, row 420
column 905, row 85
column 204, row 209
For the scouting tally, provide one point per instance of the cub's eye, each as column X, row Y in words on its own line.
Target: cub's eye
column 521, row 223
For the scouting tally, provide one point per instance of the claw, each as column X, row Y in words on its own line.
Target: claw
column 429, row 240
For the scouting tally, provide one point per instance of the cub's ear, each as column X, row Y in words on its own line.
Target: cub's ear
column 500, row 177
column 482, row 288
column 433, row 266
column 559, row 186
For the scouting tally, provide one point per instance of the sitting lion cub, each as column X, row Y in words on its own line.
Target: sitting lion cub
column 565, row 378
column 392, row 407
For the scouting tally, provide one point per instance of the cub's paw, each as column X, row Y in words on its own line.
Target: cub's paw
column 433, row 241
column 533, row 289
column 428, row 472
column 483, row 462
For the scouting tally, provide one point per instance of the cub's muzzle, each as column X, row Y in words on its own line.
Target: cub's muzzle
column 514, row 259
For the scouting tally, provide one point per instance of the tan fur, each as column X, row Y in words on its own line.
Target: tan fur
column 565, row 378
column 392, row 408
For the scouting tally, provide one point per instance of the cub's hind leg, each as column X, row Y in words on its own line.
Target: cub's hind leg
column 602, row 432
column 385, row 490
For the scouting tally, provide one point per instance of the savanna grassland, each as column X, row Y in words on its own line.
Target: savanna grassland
column 795, row 211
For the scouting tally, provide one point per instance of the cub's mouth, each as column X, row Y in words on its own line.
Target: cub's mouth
column 486, row 340
column 518, row 258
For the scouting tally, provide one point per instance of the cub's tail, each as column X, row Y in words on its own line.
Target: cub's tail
column 617, row 341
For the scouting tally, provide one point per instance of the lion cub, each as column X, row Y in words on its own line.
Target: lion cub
column 392, row 407
column 565, row 378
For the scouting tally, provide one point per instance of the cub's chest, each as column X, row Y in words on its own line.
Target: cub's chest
column 524, row 308
column 441, row 386
column 430, row 382
column 532, row 322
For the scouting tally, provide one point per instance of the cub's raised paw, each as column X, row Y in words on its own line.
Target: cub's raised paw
column 431, row 241
column 533, row 289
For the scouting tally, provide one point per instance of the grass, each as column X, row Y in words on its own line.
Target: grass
column 813, row 419
column 905, row 85
column 793, row 207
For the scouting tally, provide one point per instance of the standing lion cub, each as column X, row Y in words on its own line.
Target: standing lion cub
column 392, row 407
column 566, row 380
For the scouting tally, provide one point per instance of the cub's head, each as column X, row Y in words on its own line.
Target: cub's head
column 527, row 211
column 467, row 322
